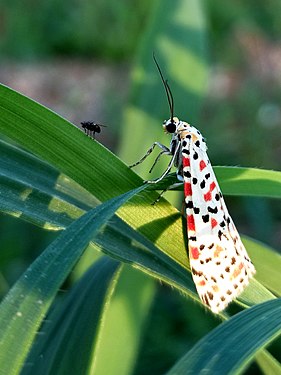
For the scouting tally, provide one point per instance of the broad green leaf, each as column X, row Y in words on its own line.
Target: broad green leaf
column 221, row 352
column 25, row 306
column 88, row 316
column 67, row 149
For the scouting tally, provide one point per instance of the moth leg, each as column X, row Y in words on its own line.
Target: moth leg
column 164, row 191
column 168, row 168
column 165, row 150
column 159, row 196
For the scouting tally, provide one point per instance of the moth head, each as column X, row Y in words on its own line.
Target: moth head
column 170, row 126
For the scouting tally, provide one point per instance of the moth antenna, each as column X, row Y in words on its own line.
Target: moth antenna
column 171, row 100
column 167, row 89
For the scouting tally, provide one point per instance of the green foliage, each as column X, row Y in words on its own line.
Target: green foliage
column 221, row 351
column 62, row 201
column 55, row 177
column 88, row 28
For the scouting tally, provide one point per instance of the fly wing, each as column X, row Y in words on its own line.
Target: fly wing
column 219, row 262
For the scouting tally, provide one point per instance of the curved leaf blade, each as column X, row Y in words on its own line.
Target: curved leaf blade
column 93, row 316
column 239, row 181
column 35, row 191
column 249, row 181
column 32, row 295
column 255, row 327
column 64, row 146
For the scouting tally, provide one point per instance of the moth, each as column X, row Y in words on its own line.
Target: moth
column 220, row 265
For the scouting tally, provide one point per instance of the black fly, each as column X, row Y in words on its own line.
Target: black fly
column 91, row 128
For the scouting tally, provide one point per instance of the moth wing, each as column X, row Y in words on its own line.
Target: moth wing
column 219, row 262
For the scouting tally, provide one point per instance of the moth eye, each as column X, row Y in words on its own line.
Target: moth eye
column 170, row 127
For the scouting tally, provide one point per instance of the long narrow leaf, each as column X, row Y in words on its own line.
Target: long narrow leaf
column 88, row 316
column 229, row 348
column 26, row 304
column 251, row 182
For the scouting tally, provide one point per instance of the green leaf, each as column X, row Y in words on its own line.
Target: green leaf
column 64, row 146
column 123, row 323
column 35, row 191
column 221, row 352
column 238, row 181
column 249, row 181
column 88, row 316
column 268, row 364
column 34, row 292
column 267, row 263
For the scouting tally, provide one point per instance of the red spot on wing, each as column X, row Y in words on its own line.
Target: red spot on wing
column 214, row 222
column 212, row 186
column 208, row 195
column 202, row 283
column 190, row 222
column 187, row 189
column 194, row 252
column 202, row 165
column 186, row 162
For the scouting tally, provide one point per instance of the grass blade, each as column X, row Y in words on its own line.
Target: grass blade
column 255, row 327
column 25, row 306
column 92, row 315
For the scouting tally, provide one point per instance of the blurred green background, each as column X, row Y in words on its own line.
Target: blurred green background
column 76, row 58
